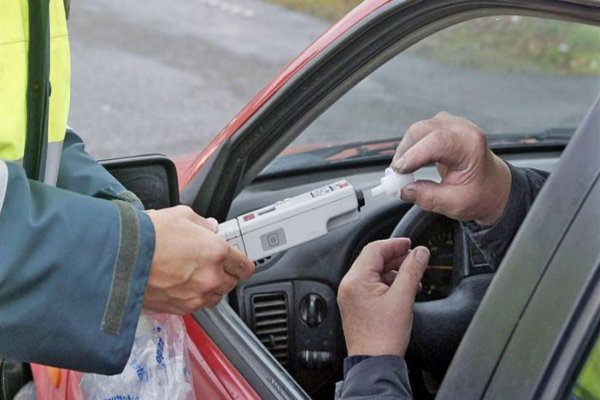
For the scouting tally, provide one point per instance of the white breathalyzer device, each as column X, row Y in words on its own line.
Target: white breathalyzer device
column 392, row 183
column 293, row 221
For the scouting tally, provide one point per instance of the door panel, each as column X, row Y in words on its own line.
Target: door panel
column 479, row 363
column 556, row 299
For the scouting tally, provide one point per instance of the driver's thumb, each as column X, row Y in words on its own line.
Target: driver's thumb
column 432, row 196
column 406, row 285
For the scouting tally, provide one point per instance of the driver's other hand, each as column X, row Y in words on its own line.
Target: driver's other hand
column 475, row 182
column 377, row 295
column 192, row 266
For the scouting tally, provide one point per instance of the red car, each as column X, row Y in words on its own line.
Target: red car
column 521, row 70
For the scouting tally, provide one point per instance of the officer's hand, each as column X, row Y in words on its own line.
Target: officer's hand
column 475, row 182
column 376, row 297
column 192, row 266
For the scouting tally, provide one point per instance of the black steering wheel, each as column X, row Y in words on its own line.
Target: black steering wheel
column 439, row 325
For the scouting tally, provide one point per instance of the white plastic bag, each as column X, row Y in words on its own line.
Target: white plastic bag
column 156, row 369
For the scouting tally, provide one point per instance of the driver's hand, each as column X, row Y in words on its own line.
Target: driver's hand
column 377, row 295
column 475, row 182
column 192, row 266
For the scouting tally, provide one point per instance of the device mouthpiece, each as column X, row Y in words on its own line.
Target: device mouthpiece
column 392, row 183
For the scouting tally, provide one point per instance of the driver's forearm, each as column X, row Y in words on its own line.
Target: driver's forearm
column 493, row 241
column 378, row 377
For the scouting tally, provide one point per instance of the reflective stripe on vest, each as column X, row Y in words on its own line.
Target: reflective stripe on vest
column 3, row 182
column 14, row 51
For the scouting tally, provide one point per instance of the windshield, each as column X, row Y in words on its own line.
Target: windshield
column 522, row 79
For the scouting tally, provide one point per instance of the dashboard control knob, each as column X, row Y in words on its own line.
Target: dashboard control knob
column 313, row 309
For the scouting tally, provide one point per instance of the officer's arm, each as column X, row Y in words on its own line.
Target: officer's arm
column 73, row 270
column 80, row 172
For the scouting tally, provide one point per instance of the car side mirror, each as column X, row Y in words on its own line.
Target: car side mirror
column 152, row 178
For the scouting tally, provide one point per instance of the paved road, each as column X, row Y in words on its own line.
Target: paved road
column 151, row 76
column 156, row 76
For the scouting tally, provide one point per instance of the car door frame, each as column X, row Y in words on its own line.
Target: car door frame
column 365, row 46
column 540, row 313
column 360, row 50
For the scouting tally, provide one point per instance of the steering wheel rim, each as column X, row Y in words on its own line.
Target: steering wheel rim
column 439, row 325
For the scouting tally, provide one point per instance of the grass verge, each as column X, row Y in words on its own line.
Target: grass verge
column 495, row 43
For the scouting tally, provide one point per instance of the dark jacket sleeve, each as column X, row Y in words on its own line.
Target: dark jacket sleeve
column 493, row 241
column 73, row 272
column 79, row 172
column 380, row 377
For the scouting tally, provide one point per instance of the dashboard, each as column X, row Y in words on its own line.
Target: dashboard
column 290, row 302
column 442, row 244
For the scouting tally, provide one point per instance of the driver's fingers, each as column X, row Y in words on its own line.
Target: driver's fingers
column 441, row 146
column 442, row 170
column 389, row 277
column 436, row 197
column 376, row 255
column 394, row 264
column 406, row 285
column 420, row 129
column 414, row 134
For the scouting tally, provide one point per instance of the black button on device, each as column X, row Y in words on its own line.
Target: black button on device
column 313, row 309
column 360, row 197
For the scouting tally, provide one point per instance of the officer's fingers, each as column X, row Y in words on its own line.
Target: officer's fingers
column 238, row 265
column 208, row 223
column 212, row 299
column 406, row 285
column 213, row 224
column 187, row 213
column 228, row 282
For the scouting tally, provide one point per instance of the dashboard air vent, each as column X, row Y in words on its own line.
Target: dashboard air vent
column 270, row 323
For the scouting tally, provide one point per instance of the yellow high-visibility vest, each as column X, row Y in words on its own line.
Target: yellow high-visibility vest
column 14, row 67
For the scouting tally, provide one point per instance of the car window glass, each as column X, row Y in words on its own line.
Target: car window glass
column 509, row 74
column 587, row 385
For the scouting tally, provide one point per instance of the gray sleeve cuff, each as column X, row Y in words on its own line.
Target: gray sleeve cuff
column 493, row 241
column 351, row 361
column 379, row 377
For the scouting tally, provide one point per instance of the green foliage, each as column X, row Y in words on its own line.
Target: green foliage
column 495, row 43
column 517, row 44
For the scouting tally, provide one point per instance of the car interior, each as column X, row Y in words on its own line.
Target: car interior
column 281, row 328
column 289, row 305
